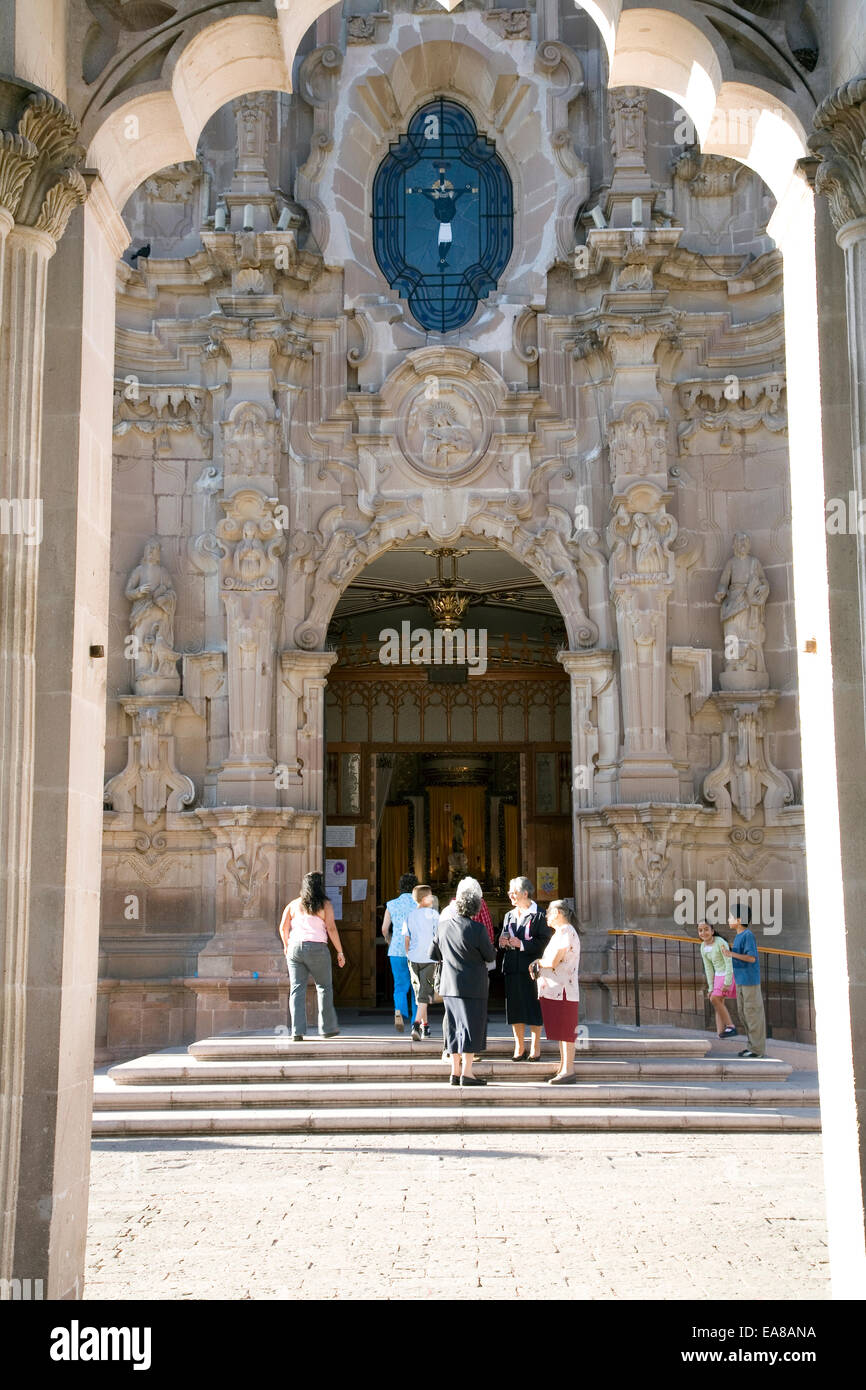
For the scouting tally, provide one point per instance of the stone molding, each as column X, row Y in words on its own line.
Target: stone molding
column 706, row 405
column 840, row 122
column 160, row 413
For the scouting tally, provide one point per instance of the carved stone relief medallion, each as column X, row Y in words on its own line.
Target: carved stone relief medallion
column 441, row 428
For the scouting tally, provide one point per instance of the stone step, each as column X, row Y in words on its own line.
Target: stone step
column 359, row 1094
column 167, row 1069
column 469, row 1118
column 279, row 1046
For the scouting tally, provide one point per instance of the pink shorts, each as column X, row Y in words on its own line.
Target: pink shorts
column 719, row 991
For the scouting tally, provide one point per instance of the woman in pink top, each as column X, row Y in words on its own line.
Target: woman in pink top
column 305, row 929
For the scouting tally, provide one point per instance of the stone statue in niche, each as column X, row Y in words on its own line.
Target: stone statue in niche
column 743, row 592
column 151, row 592
column 649, row 555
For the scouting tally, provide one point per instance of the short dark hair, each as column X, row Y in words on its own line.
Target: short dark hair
column 407, row 882
column 742, row 912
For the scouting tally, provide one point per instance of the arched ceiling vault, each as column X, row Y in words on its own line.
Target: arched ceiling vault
column 158, row 84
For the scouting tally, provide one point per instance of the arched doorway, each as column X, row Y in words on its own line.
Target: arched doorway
column 448, row 748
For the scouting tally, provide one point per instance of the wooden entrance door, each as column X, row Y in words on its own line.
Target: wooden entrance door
column 349, row 806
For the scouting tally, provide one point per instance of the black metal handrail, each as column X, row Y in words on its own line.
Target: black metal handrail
column 664, row 974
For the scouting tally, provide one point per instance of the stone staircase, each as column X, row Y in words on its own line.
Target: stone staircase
column 370, row 1081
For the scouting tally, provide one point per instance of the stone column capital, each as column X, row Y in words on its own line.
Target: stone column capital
column 40, row 179
column 840, row 142
column 305, row 665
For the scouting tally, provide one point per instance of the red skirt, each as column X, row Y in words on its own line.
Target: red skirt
column 560, row 1019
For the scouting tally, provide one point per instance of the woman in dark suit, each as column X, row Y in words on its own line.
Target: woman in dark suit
column 464, row 949
column 524, row 935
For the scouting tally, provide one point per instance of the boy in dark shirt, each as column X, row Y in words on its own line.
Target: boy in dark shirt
column 747, row 977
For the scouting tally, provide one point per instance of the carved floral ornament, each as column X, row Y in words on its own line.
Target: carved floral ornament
column 840, row 142
column 39, row 179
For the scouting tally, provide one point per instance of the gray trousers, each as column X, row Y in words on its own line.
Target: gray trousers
column 305, row 959
column 750, row 1007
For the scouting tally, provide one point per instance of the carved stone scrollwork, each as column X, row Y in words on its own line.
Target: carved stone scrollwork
column 366, row 28
column 707, row 175
column 150, row 781
column 745, row 776
column 511, row 24
column 840, row 122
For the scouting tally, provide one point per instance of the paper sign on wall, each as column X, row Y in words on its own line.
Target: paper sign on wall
column 336, row 898
column 339, row 837
column 359, row 890
column 335, row 873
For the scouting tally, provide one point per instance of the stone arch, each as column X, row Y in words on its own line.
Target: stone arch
column 345, row 555
column 213, row 61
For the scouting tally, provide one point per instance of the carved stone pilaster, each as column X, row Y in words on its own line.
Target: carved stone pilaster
column 301, row 742
column 150, row 782
column 594, row 725
column 251, row 589
column 641, row 534
column 745, row 776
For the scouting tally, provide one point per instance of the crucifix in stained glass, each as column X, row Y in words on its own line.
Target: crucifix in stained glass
column 442, row 216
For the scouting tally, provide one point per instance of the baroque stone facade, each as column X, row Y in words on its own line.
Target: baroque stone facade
column 614, row 414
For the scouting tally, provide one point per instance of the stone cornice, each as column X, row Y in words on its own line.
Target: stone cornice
column 840, row 122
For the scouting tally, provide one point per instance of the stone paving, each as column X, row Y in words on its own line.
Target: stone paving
column 485, row 1216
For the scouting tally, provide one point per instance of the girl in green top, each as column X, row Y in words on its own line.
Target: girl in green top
column 719, row 969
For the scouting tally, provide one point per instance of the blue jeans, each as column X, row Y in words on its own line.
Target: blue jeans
column 404, row 994
column 305, row 959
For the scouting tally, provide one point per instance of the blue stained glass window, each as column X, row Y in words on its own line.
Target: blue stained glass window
column 442, row 216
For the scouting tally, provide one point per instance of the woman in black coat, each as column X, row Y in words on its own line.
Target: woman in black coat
column 464, row 948
column 524, row 935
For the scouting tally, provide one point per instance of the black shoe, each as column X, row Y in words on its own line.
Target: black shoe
column 455, row 1081
column 335, row 1034
column 472, row 1081
column 521, row 1058
column 297, row 1037
column 416, row 1033
column 425, row 1030
column 748, row 1053
column 534, row 1059
column 728, row 1033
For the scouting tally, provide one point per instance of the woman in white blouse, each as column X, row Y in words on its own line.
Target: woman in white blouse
column 556, row 975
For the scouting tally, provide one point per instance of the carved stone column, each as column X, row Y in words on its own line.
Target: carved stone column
column 39, row 186
column 301, row 726
column 841, row 176
column 840, row 144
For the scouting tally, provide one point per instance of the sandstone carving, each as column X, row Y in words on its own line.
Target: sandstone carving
column 151, row 592
column 743, row 592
